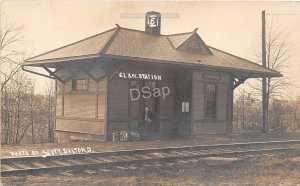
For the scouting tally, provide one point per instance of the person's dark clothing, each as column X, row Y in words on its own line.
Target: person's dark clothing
column 146, row 125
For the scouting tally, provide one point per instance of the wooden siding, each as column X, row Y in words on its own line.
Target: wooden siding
column 79, row 125
column 59, row 105
column 200, row 124
column 66, row 136
column 81, row 114
column 209, row 127
column 166, row 106
column 166, row 111
column 79, row 105
column 183, row 94
column 118, row 99
column 118, row 105
column 197, row 99
column 102, row 99
column 221, row 101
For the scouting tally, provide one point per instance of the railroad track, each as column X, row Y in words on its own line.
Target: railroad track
column 15, row 165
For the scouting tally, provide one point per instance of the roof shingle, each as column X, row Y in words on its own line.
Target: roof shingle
column 142, row 45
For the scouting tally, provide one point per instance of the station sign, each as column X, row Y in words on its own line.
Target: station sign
column 211, row 76
column 140, row 76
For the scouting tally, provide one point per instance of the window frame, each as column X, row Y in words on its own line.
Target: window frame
column 85, row 85
column 185, row 106
column 209, row 101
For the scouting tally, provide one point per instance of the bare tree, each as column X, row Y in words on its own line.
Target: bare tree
column 32, row 105
column 10, row 57
column 15, row 109
column 277, row 55
column 50, row 110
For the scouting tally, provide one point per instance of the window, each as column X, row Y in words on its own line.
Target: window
column 210, row 96
column 79, row 84
column 185, row 107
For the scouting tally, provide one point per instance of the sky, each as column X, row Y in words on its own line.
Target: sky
column 234, row 27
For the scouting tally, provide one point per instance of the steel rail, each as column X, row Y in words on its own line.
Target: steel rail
column 140, row 155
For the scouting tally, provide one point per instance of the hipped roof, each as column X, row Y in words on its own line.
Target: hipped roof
column 124, row 43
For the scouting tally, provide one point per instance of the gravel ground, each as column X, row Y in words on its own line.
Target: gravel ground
column 270, row 169
column 114, row 146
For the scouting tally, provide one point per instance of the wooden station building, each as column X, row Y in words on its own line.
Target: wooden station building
column 104, row 82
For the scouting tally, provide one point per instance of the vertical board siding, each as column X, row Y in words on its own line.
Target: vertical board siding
column 167, row 105
column 166, row 110
column 118, row 105
column 118, row 99
column 101, row 99
column 197, row 96
column 59, row 105
column 135, row 110
column 68, row 87
column 201, row 125
column 92, row 86
column 221, row 101
column 59, row 87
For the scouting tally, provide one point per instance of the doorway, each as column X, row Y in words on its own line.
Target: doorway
column 137, row 107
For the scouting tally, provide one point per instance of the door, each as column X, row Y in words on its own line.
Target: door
column 152, row 103
column 140, row 99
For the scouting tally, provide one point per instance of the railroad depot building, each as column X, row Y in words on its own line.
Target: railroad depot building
column 105, row 82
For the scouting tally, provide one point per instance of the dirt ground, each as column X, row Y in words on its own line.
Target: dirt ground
column 270, row 169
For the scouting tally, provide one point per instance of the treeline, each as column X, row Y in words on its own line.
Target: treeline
column 283, row 115
column 26, row 117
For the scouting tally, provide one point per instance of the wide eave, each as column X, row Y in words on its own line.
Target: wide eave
column 139, row 46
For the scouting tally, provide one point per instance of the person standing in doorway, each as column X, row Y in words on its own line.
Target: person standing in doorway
column 146, row 124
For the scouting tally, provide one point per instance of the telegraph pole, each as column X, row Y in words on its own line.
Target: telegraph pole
column 264, row 80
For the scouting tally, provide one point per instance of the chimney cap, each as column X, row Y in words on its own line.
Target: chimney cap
column 153, row 22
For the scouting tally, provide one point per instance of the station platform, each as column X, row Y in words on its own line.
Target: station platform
column 104, row 146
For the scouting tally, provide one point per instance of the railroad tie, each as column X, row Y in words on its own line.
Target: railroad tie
column 188, row 153
column 176, row 153
column 38, row 165
column 106, row 160
column 127, row 158
column 21, row 166
column 142, row 156
column 104, row 170
column 121, row 167
column 7, row 167
column 61, row 163
column 94, row 160
column 132, row 167
column 117, row 158
column 75, row 162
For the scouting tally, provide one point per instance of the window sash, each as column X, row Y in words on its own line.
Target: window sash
column 185, row 107
column 79, row 84
column 211, row 97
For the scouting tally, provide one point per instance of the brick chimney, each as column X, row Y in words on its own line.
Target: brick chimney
column 153, row 23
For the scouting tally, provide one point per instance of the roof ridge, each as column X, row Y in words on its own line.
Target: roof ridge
column 69, row 44
column 158, row 35
column 187, row 39
column 110, row 41
column 180, row 33
column 246, row 60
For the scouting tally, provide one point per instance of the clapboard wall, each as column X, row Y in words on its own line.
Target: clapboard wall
column 200, row 123
column 81, row 115
column 124, row 114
